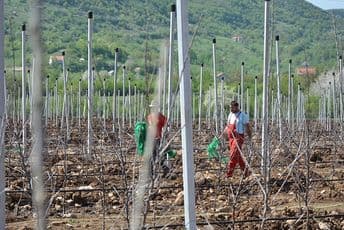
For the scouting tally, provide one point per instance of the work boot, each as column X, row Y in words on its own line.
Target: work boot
column 229, row 174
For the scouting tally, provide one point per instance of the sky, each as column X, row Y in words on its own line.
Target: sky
column 328, row 4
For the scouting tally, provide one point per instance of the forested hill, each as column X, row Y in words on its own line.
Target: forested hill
column 337, row 12
column 138, row 28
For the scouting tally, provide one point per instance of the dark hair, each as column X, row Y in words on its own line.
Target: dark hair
column 234, row 103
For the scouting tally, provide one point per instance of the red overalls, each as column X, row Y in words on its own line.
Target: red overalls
column 235, row 142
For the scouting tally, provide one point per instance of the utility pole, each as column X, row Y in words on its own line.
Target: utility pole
column 186, row 115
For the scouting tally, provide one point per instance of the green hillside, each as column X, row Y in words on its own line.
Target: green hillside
column 337, row 12
column 139, row 28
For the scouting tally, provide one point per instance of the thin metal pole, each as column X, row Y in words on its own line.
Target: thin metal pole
column 129, row 102
column 19, row 111
column 170, row 61
column 64, row 91
column 341, row 109
column 279, row 102
column 324, row 109
column 123, row 96
column 321, row 112
column 302, row 106
column 178, row 117
column 289, row 94
column 108, row 110
column 186, row 125
column 141, row 107
column 241, row 102
column 28, row 95
column 292, row 102
column 222, row 102
column 215, row 89
column 104, row 104
column 67, row 107
column 255, row 104
column 2, row 120
column 117, row 105
column 238, row 92
column 90, row 85
column 135, row 103
column 127, row 109
column 248, row 100
column 14, row 99
column 164, row 76
column 329, row 107
column 79, row 104
column 46, row 101
column 70, row 107
column 334, row 103
column 56, row 102
column 23, row 90
column 114, row 91
column 272, row 107
column 265, row 115
column 298, row 105
column 7, row 103
column 99, row 105
column 209, row 109
column 200, row 98
column 193, row 108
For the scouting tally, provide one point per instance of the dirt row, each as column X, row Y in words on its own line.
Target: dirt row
column 305, row 187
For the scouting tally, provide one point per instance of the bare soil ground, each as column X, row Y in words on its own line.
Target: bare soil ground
column 306, row 185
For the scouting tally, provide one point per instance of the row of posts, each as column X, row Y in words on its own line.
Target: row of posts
column 325, row 112
column 330, row 106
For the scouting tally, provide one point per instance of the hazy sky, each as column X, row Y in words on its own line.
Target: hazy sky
column 328, row 4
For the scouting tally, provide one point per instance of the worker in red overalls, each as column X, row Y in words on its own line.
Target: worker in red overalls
column 156, row 121
column 237, row 125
